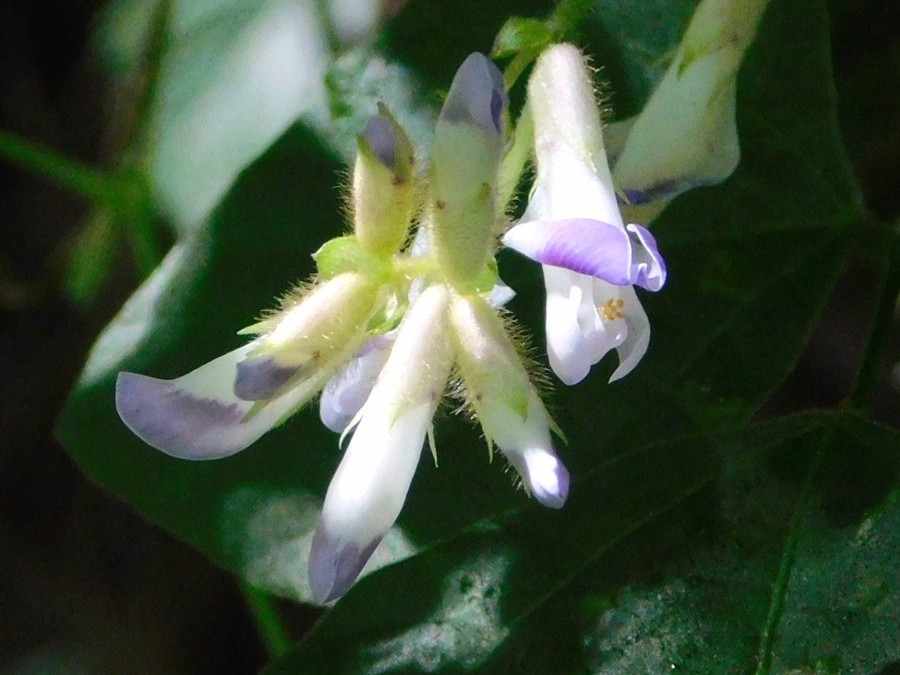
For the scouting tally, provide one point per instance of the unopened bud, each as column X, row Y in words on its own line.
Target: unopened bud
column 507, row 405
column 686, row 135
column 383, row 185
column 468, row 144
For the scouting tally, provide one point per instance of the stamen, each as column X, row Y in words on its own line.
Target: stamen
column 612, row 309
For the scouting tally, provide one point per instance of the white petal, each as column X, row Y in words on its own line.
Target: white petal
column 576, row 335
column 573, row 178
column 500, row 294
column 197, row 416
column 365, row 496
column 369, row 488
column 633, row 348
column 346, row 392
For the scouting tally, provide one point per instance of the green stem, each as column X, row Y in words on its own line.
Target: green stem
column 142, row 231
column 785, row 567
column 268, row 621
column 870, row 372
column 514, row 162
column 138, row 213
column 517, row 66
column 95, row 186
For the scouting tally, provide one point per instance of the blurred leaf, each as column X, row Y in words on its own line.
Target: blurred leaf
column 751, row 264
column 235, row 75
column 519, row 34
column 91, row 256
column 674, row 567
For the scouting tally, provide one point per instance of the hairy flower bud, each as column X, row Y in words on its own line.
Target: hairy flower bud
column 468, row 144
column 383, row 185
column 507, row 405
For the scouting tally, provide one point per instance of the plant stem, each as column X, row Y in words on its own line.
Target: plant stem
column 268, row 621
column 870, row 371
column 95, row 186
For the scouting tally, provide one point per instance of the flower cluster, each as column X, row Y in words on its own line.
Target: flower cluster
column 406, row 308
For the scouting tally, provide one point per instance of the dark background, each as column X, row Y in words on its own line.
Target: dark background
column 85, row 585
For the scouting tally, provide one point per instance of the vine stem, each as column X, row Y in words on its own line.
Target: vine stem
column 95, row 186
column 267, row 619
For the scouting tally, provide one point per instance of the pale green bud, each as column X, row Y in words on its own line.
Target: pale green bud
column 383, row 185
column 687, row 133
column 507, row 404
column 468, row 144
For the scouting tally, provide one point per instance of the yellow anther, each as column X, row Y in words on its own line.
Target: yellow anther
column 612, row 309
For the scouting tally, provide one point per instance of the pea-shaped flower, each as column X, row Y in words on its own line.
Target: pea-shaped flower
column 381, row 330
column 573, row 227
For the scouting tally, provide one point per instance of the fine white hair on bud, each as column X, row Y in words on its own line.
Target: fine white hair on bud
column 383, row 185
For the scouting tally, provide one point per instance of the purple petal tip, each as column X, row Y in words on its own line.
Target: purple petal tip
column 170, row 419
column 334, row 566
column 381, row 136
column 477, row 95
column 553, row 493
column 648, row 266
column 665, row 190
column 258, row 379
column 582, row 245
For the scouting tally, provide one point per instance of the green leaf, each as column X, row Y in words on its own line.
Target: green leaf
column 674, row 568
column 91, row 256
column 520, row 34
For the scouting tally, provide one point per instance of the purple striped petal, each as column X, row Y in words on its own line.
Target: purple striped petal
column 477, row 95
column 197, row 416
column 581, row 245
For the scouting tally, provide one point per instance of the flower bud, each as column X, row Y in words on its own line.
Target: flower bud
column 468, row 143
column 314, row 331
column 507, row 405
column 686, row 135
column 383, row 185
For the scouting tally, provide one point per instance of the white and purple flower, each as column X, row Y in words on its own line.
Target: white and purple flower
column 382, row 381
column 573, row 227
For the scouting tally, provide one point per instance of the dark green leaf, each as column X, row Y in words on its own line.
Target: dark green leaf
column 675, row 567
column 519, row 34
